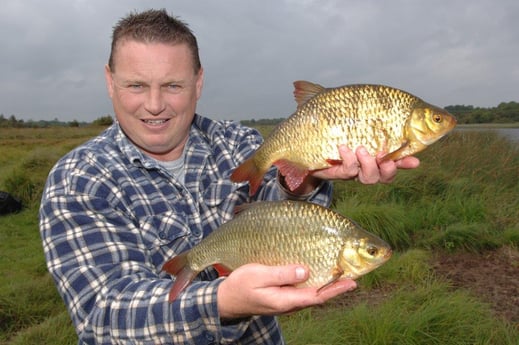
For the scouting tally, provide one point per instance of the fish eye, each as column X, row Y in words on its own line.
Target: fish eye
column 372, row 250
column 437, row 118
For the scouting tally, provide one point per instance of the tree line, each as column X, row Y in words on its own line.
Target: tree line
column 13, row 122
column 505, row 112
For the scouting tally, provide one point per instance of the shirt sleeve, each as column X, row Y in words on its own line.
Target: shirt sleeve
column 113, row 290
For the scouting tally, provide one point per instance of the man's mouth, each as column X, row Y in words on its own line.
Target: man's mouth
column 155, row 122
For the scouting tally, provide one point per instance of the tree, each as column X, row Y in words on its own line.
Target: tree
column 103, row 121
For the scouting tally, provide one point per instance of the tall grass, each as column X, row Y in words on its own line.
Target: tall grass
column 29, row 153
column 28, row 297
column 464, row 197
column 27, row 293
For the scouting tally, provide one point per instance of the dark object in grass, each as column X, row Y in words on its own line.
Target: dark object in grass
column 9, row 204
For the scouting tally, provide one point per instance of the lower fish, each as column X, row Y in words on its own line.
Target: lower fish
column 284, row 232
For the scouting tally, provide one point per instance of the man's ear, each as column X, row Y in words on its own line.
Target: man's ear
column 109, row 81
column 199, row 83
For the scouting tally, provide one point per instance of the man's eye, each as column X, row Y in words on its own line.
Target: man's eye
column 135, row 86
column 175, row 87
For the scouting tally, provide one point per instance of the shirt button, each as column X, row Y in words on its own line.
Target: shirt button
column 209, row 337
column 162, row 235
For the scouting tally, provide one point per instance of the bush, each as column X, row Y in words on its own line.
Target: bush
column 103, row 121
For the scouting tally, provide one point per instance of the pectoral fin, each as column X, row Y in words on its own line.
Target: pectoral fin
column 402, row 151
column 337, row 274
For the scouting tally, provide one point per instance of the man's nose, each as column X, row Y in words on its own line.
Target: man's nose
column 155, row 101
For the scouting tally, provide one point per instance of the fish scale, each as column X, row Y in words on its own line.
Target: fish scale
column 378, row 117
column 285, row 232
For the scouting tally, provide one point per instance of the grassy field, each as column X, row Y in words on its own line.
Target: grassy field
column 463, row 199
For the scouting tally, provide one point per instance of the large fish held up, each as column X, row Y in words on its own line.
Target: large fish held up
column 380, row 118
column 280, row 233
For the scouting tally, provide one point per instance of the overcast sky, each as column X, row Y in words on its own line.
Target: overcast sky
column 446, row 52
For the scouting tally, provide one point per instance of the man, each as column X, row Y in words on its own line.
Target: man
column 151, row 186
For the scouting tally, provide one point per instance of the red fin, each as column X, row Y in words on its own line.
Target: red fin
column 334, row 161
column 182, row 272
column 176, row 264
column 294, row 175
column 248, row 171
column 305, row 90
column 182, row 280
column 222, row 270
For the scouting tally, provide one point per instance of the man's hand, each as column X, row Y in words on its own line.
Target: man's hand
column 367, row 169
column 256, row 289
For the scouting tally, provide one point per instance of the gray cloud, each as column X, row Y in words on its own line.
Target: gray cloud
column 447, row 52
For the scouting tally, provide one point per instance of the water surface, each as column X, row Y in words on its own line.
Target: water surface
column 510, row 133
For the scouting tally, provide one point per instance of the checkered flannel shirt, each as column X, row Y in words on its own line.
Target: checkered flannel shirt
column 110, row 217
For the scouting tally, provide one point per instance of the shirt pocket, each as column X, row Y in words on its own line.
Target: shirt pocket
column 166, row 232
column 221, row 196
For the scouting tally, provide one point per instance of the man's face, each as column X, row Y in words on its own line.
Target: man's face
column 154, row 91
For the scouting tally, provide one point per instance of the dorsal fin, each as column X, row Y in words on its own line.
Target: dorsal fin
column 305, row 90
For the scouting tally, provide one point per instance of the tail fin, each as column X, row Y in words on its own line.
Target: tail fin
column 249, row 171
column 178, row 266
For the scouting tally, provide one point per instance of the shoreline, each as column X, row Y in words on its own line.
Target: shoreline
column 488, row 125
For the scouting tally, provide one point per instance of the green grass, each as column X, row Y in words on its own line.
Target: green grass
column 464, row 197
column 29, row 302
column 27, row 294
column 427, row 314
column 418, row 308
column 56, row 329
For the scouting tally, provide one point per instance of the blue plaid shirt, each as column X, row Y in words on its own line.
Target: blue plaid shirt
column 110, row 217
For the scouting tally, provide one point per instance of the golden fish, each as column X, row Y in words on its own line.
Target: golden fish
column 380, row 118
column 280, row 233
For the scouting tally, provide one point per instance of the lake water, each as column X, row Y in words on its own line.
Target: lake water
column 510, row 133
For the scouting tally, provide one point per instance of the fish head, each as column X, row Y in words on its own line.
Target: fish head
column 429, row 123
column 362, row 255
